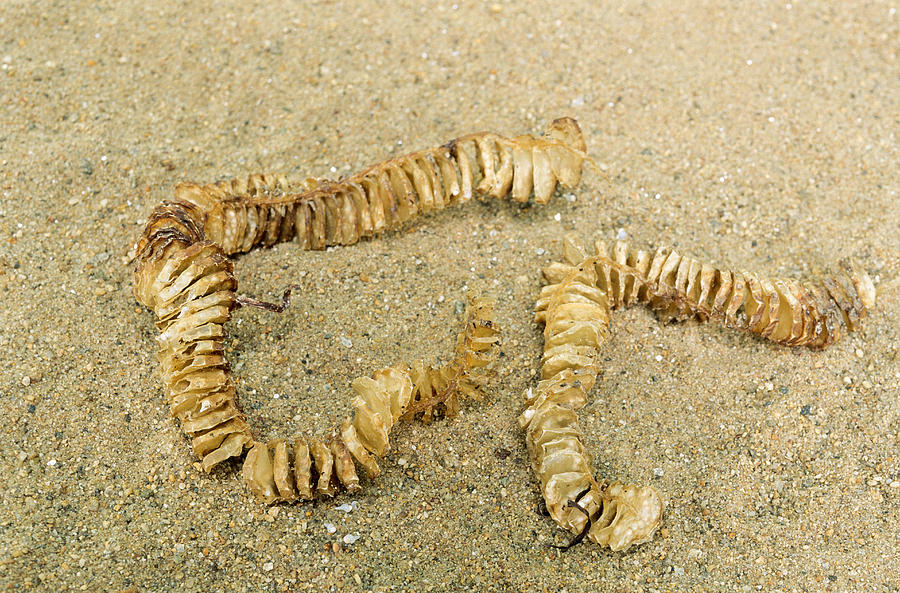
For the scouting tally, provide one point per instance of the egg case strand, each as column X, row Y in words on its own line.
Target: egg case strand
column 574, row 308
column 283, row 471
column 575, row 314
column 791, row 312
column 183, row 274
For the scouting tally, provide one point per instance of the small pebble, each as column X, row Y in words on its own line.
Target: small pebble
column 26, row 380
column 346, row 342
column 268, row 566
column 330, row 528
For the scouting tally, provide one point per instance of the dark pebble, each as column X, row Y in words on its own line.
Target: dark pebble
column 86, row 168
column 806, row 410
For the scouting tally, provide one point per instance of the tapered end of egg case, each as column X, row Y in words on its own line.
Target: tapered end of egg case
column 861, row 281
column 567, row 131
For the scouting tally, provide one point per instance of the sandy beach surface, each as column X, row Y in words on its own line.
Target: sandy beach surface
column 755, row 135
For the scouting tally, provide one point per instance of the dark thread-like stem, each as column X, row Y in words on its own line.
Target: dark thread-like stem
column 587, row 526
column 245, row 301
column 580, row 537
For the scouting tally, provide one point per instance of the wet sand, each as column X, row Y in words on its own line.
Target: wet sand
column 759, row 136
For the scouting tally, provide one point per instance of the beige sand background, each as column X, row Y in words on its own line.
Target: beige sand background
column 759, row 135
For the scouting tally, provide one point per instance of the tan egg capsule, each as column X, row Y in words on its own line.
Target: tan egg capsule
column 630, row 516
column 466, row 170
column 385, row 192
column 403, row 192
column 259, row 474
column 372, row 409
column 303, row 469
column 563, row 390
column 333, row 222
column 210, row 440
column 324, row 464
column 232, row 446
column 421, row 184
column 317, row 220
column 439, row 193
column 302, row 225
column 211, row 418
column 357, row 450
column 343, row 466
column 449, row 176
column 365, row 218
column 283, row 472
